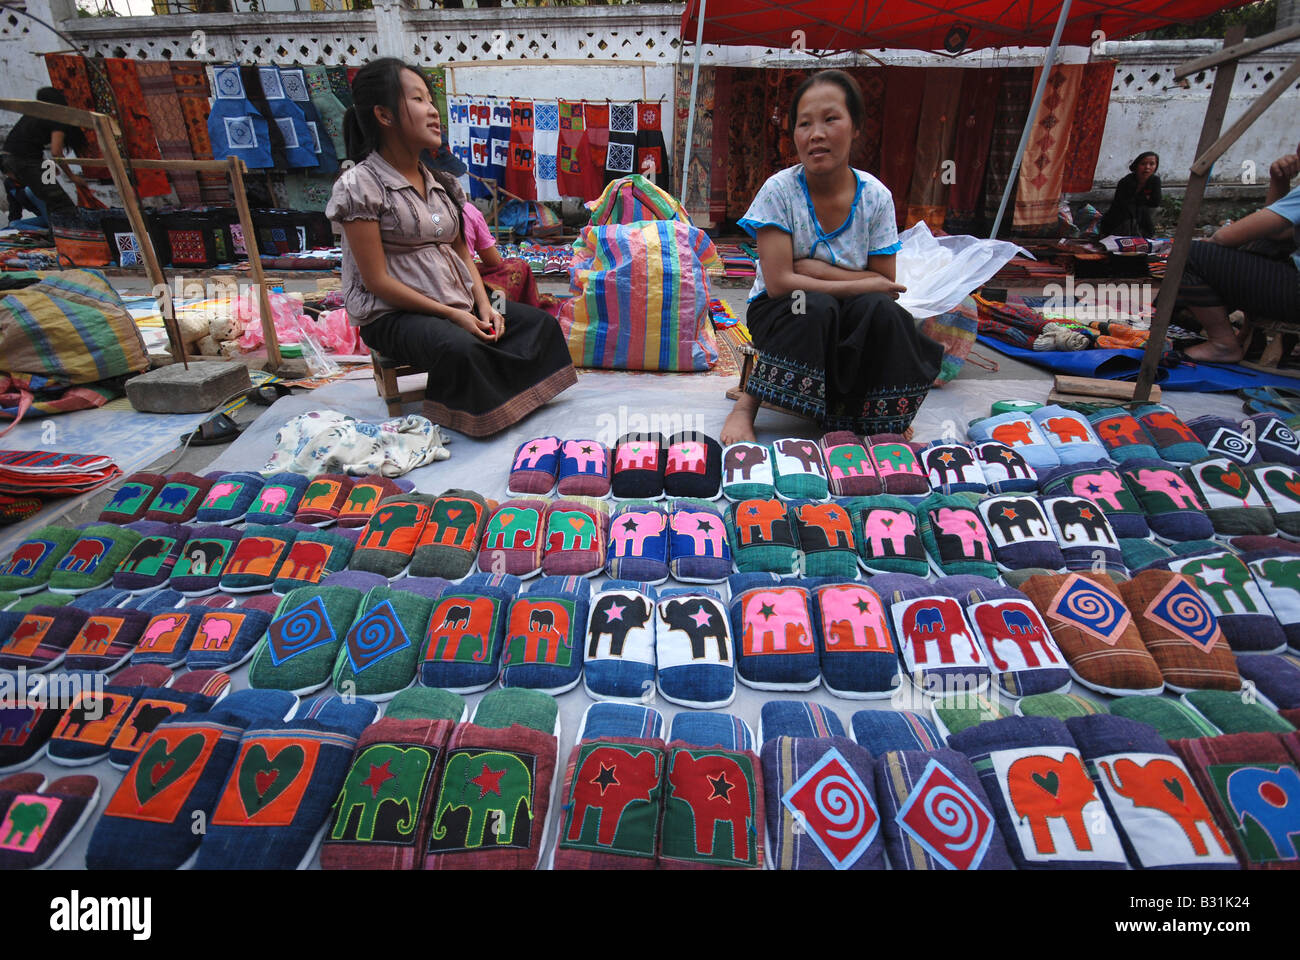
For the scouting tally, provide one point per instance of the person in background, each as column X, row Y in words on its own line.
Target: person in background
column 1222, row 276
column 1136, row 196
column 24, row 149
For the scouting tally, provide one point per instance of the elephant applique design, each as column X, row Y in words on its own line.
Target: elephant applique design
column 776, row 622
column 383, row 795
column 701, row 620
column 95, row 636
column 704, row 532
column 615, row 615
column 1165, row 485
column 960, row 535
column 540, row 631
column 201, row 558
column 319, row 495
column 1013, row 434
column 27, row 636
column 125, row 500
column 1015, row 520
column 225, row 490
column 513, row 528
column 1263, row 799
column 17, row 724
column 849, row 460
column 1001, row 458
column 24, row 560
column 687, row 458
column 486, row 800
column 1121, row 432
column 256, row 556
column 26, row 821
column 271, row 500
column 716, row 790
column 306, row 561
column 93, row 719
column 1015, row 636
column 539, row 454
column 892, row 533
column 896, row 459
column 1160, row 783
column 763, row 521
column 1106, row 489
column 853, row 620
column 586, row 457
column 948, row 464
column 1081, row 522
column 143, row 721
column 1226, row 582
column 637, row 455
column 1067, row 430
column 571, row 530
column 739, row 461
column 217, row 631
column 148, row 556
column 828, row 522
column 162, row 633
column 611, row 782
column 361, row 500
column 394, row 526
column 805, row 453
column 936, row 620
column 453, row 522
column 463, row 628
column 173, row 498
column 1042, row 788
column 84, row 555
column 630, row 531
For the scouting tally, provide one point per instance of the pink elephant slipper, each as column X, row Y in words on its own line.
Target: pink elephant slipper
column 37, row 827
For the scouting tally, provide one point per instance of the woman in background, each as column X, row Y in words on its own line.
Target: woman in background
column 1136, row 196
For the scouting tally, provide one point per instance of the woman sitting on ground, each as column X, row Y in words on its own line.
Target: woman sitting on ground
column 833, row 345
column 409, row 279
column 1220, row 277
column 1136, row 196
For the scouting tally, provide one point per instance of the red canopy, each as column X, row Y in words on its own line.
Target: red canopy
column 937, row 25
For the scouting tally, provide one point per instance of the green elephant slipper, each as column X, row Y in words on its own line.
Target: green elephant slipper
column 389, row 539
column 36, row 825
column 302, row 642
column 28, row 568
column 92, row 560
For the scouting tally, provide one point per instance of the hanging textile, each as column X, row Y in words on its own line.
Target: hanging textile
column 68, row 76
column 745, row 176
column 1088, row 126
column 235, row 127
column 329, row 109
column 975, row 113
column 904, row 90
column 352, row 74
column 708, row 150
column 169, row 125
column 458, row 137
column 1014, row 96
column 652, row 152
column 499, row 139
column 719, row 149
column 299, row 148
column 933, row 170
column 137, row 129
column 340, row 84
column 865, row 154
column 294, row 82
column 620, row 156
column 480, row 157
column 781, row 152
column 1038, row 196
column 596, row 116
column 519, row 174
column 191, row 81
column 546, row 146
column 575, row 174
column 252, row 86
column 308, row 191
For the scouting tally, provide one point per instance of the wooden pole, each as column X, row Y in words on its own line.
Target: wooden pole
column 1196, row 183
column 1265, row 100
column 235, row 167
column 1235, row 51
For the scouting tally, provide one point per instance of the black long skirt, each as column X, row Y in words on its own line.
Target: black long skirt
column 478, row 387
column 858, row 364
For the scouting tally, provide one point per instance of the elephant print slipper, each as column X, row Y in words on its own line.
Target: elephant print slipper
column 313, row 556
column 1101, row 483
column 1069, row 434
column 278, row 500
column 1017, row 645
column 535, row 468
column 513, row 542
column 763, row 537
column 1276, row 679
column 693, row 468
column 86, row 732
column 797, row 718
column 1229, row 712
column 493, row 798
column 366, row 494
column 36, row 826
column 583, row 471
column 858, row 657
column 107, row 639
column 920, row 612
column 150, row 564
column 323, row 499
column 1087, row 540
column 698, row 549
column 638, row 542
column 1276, row 442
column 1252, row 786
column 466, row 634
column 1122, row 435
column 275, row 804
column 203, row 559
column 799, row 471
column 776, row 646
column 611, row 804
column 936, row 813
column 1234, row 596
column 303, row 639
column 1047, row 806
column 28, row 568
column 952, row 468
column 150, row 708
column 723, row 730
column 1225, row 438
column 1061, row 706
column 620, row 642
column 962, row 711
column 381, row 653
column 132, row 498
column 1181, row 632
column 1019, row 432
column 1094, row 629
column 177, row 501
column 229, row 497
column 39, row 639
column 225, row 639
column 450, row 539
column 545, row 633
column 955, row 536
column 747, row 472
column 1020, row 534
column 91, row 561
column 849, row 467
column 1163, row 821
column 1173, row 510
column 826, row 541
column 601, row 721
column 713, row 809
column 1280, row 485
column 25, row 729
column 1004, row 469
column 693, row 649
column 638, row 471
column 390, row 537
column 1173, row 441
column 888, row 536
column 820, row 802
column 261, row 551
column 1235, row 507
column 880, row 731
column 575, row 532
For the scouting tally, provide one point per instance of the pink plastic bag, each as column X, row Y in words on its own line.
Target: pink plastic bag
column 337, row 335
column 285, row 312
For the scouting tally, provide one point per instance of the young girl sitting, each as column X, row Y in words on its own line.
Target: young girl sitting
column 833, row 344
column 409, row 280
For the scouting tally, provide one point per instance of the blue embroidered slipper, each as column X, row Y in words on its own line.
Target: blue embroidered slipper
column 693, row 649
column 36, row 827
column 1019, row 432
column 881, row 731
column 798, row 719
column 724, row 730
column 858, row 657
column 601, row 721
column 698, row 549
column 106, row 640
column 229, row 498
column 938, row 647
column 620, row 645
column 466, row 635
column 1070, row 435
column 535, row 468
column 776, row 646
column 225, row 639
column 545, row 632
column 584, row 470
column 132, row 498
column 638, row 542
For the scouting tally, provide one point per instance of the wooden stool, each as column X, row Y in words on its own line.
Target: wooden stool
column 747, row 354
column 387, row 373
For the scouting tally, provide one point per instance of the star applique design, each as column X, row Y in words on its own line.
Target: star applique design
column 862, row 606
column 752, row 511
column 489, row 781
column 701, row 617
column 1094, row 488
column 614, row 612
column 768, row 611
column 722, row 788
column 1086, row 514
column 1213, row 575
column 379, row 775
column 1007, row 455
column 1009, row 513
column 832, row 515
column 533, row 448
column 629, row 525
column 704, row 524
column 946, row 458
column 605, row 779
column 586, row 449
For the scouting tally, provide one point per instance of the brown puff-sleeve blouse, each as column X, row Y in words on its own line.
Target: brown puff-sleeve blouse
column 417, row 234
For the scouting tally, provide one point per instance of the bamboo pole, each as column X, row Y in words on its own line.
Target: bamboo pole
column 235, row 167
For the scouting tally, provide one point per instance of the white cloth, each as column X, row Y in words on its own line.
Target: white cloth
column 546, row 144
column 325, row 441
column 458, row 134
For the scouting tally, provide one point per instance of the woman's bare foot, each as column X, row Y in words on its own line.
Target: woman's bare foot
column 909, row 433
column 1214, row 352
column 739, row 425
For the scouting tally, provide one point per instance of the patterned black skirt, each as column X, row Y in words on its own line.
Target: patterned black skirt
column 858, row 364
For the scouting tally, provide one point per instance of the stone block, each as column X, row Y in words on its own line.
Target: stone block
column 173, row 389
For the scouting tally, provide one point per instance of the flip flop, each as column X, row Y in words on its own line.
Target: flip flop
column 213, row 432
column 268, row 393
column 1285, row 403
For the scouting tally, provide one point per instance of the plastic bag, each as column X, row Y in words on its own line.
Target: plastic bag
column 940, row 272
column 339, row 336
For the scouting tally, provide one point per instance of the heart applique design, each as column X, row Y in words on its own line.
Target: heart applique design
column 384, row 516
column 506, row 519
column 159, row 767
column 1277, row 479
column 1230, row 480
column 1051, row 782
column 263, row 778
column 576, row 523
column 1175, row 788
column 453, row 514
